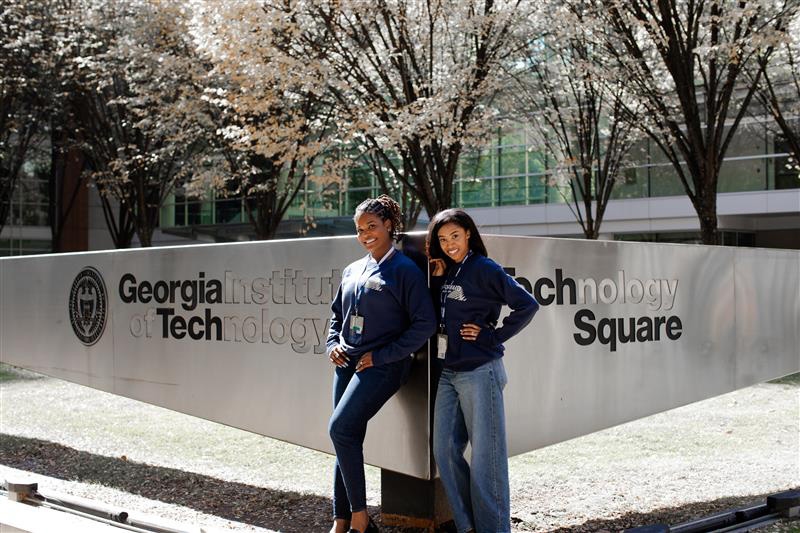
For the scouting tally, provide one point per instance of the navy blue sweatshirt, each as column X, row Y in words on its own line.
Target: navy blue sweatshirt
column 476, row 296
column 396, row 306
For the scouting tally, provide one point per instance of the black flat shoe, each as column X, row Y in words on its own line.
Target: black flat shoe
column 371, row 528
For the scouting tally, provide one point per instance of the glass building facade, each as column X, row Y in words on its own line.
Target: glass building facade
column 27, row 224
column 507, row 172
column 510, row 172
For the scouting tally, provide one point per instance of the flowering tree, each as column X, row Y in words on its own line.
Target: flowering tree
column 135, row 82
column 22, row 92
column 410, row 80
column 409, row 202
column 273, row 123
column 36, row 42
column 779, row 91
column 574, row 111
column 682, row 61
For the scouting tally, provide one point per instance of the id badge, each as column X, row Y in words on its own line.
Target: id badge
column 441, row 345
column 356, row 325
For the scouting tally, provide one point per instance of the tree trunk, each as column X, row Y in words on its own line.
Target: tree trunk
column 119, row 226
column 145, row 237
column 591, row 233
column 260, row 210
column 411, row 214
column 124, row 241
column 705, row 203
column 266, row 232
column 708, row 227
column 6, row 194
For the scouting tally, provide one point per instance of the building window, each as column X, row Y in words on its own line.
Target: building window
column 19, row 246
column 28, row 218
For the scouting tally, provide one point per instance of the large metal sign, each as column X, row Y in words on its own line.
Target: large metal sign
column 626, row 330
column 235, row 333
column 230, row 333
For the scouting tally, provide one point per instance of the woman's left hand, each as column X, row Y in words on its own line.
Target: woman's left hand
column 469, row 332
column 438, row 267
column 365, row 362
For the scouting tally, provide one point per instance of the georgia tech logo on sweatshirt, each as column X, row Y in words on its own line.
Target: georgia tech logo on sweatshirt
column 657, row 295
column 374, row 284
column 455, row 292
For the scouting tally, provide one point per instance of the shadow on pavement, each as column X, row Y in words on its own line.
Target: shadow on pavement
column 257, row 506
column 669, row 515
column 287, row 511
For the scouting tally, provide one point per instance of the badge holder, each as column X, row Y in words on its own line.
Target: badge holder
column 441, row 345
column 356, row 326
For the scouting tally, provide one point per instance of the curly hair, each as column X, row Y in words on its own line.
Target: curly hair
column 386, row 209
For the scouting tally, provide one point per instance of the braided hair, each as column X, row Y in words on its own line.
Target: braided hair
column 386, row 209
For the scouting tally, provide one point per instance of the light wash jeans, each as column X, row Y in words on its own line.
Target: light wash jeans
column 469, row 407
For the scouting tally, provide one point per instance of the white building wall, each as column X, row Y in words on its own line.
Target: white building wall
column 780, row 209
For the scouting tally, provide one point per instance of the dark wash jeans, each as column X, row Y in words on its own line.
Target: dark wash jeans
column 357, row 397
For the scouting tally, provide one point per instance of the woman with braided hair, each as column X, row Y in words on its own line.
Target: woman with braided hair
column 382, row 314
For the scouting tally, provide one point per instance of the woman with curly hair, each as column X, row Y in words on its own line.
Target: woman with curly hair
column 382, row 314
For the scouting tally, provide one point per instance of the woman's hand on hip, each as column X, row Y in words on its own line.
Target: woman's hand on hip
column 365, row 362
column 438, row 267
column 469, row 332
column 339, row 357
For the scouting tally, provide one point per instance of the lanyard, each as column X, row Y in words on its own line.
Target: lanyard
column 359, row 286
column 443, row 294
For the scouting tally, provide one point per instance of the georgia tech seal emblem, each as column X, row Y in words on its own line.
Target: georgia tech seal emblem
column 88, row 306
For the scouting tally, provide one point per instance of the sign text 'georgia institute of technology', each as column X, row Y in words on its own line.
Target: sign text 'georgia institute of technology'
column 189, row 308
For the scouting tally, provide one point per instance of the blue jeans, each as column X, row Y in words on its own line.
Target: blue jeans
column 469, row 407
column 357, row 397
